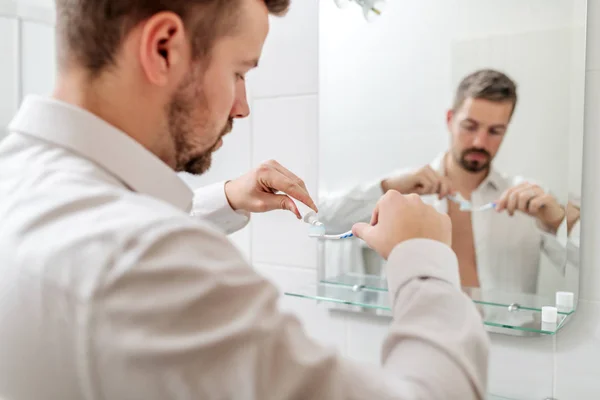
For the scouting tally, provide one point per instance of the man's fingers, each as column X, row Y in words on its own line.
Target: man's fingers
column 440, row 184
column 512, row 202
column 375, row 217
column 427, row 183
column 362, row 230
column 269, row 202
column 445, row 188
column 526, row 195
column 279, row 182
column 537, row 203
column 503, row 201
column 288, row 173
column 443, row 192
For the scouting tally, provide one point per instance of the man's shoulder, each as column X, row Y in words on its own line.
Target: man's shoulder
column 79, row 243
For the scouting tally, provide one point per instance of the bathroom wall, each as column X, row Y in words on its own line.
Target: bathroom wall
column 284, row 96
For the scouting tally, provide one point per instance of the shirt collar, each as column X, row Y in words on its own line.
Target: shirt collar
column 494, row 178
column 82, row 132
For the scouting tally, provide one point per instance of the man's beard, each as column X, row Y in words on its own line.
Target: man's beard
column 181, row 128
column 201, row 162
column 474, row 165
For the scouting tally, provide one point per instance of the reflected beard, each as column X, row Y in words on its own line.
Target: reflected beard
column 473, row 165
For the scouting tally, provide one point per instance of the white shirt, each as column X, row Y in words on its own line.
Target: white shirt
column 110, row 290
column 507, row 249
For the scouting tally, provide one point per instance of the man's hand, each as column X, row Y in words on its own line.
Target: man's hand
column 532, row 200
column 399, row 218
column 257, row 191
column 423, row 181
column 573, row 215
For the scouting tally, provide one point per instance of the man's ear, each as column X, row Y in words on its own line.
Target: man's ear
column 164, row 49
column 449, row 118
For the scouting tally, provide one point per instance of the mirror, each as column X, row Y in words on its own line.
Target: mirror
column 478, row 107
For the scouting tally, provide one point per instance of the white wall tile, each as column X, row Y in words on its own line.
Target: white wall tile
column 593, row 35
column 590, row 234
column 285, row 129
column 39, row 64
column 577, row 355
column 366, row 334
column 39, row 3
column 289, row 64
column 520, row 367
column 8, row 72
column 325, row 327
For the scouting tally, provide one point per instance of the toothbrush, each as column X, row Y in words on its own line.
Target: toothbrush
column 466, row 205
column 344, row 235
column 317, row 229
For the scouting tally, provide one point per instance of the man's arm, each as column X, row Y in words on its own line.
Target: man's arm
column 340, row 210
column 266, row 188
column 563, row 247
column 211, row 205
column 184, row 317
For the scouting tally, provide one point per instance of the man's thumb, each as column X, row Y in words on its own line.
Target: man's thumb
column 361, row 230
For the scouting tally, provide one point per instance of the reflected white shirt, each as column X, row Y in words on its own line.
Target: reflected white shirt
column 507, row 249
column 110, row 290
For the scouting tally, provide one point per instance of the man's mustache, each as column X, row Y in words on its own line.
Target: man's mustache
column 476, row 151
column 228, row 128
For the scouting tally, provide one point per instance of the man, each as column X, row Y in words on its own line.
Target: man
column 496, row 250
column 110, row 290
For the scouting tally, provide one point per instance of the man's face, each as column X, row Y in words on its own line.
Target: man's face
column 477, row 129
column 213, row 94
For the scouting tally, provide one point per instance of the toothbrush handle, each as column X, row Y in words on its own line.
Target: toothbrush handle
column 345, row 235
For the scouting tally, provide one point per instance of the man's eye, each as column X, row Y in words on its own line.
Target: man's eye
column 240, row 76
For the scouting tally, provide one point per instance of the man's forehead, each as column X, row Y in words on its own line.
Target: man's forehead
column 483, row 108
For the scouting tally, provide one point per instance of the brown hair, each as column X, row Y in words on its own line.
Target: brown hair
column 486, row 84
column 91, row 31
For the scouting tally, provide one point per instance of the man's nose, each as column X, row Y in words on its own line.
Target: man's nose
column 481, row 139
column 240, row 109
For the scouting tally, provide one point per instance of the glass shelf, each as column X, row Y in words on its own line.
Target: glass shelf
column 525, row 321
column 483, row 297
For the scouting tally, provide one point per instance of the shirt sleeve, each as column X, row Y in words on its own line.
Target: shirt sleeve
column 211, row 205
column 178, row 320
column 340, row 210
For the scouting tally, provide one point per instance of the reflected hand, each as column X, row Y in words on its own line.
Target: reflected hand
column 573, row 215
column 423, row 181
column 257, row 191
column 532, row 200
column 398, row 218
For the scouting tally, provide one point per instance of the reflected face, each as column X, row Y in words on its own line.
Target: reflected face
column 477, row 129
column 210, row 97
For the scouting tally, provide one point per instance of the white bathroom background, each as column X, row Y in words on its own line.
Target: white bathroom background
column 284, row 94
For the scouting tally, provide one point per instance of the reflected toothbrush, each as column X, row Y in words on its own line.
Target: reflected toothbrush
column 465, row 205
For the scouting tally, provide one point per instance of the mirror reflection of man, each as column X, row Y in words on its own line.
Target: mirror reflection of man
column 497, row 249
